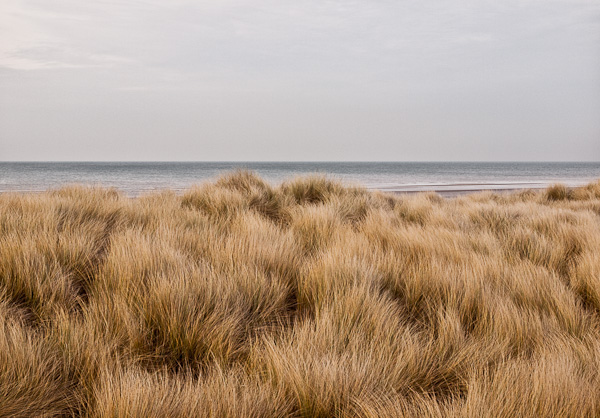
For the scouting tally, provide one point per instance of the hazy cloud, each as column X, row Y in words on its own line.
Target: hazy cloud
column 318, row 79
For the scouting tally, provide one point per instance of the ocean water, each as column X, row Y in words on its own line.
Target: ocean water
column 135, row 178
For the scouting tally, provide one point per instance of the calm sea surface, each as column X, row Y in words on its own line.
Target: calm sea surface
column 140, row 177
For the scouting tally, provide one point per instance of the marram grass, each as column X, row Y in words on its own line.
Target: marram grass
column 239, row 299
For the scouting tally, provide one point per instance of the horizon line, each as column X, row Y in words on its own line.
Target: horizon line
column 299, row 161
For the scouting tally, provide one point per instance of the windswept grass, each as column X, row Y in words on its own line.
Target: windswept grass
column 310, row 299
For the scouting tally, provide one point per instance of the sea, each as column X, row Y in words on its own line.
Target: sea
column 137, row 178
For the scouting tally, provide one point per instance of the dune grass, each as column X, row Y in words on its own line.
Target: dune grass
column 310, row 299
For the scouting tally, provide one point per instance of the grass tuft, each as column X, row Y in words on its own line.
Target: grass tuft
column 557, row 192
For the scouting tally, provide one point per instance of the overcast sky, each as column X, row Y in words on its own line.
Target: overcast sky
column 300, row 80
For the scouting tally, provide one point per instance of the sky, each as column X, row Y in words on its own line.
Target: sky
column 310, row 80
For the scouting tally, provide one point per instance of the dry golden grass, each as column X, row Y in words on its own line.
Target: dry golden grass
column 239, row 299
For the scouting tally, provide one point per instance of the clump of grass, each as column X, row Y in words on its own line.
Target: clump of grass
column 33, row 380
column 588, row 192
column 557, row 192
column 139, row 394
column 312, row 190
column 244, row 299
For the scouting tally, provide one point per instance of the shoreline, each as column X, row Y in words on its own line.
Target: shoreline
column 463, row 192
column 466, row 188
column 446, row 187
column 444, row 190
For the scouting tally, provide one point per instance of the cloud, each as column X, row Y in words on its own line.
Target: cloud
column 273, row 39
column 277, row 71
column 31, row 40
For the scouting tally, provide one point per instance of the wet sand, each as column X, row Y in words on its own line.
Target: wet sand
column 459, row 189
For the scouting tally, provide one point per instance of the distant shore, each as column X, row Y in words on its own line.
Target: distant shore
column 446, row 178
column 458, row 189
column 444, row 190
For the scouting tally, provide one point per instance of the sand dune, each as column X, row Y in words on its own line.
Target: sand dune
column 310, row 299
